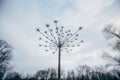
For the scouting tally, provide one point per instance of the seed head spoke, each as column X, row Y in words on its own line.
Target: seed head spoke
column 65, row 37
column 47, row 41
column 51, row 34
column 57, row 32
column 73, row 34
column 45, row 36
column 45, row 45
column 74, row 43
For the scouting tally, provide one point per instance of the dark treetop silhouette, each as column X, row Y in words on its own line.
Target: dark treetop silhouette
column 5, row 56
column 59, row 40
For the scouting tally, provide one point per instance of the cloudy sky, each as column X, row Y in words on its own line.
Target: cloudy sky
column 20, row 18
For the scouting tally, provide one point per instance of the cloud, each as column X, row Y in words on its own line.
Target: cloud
column 19, row 20
column 93, row 7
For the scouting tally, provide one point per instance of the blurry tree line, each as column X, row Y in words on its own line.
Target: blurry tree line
column 82, row 72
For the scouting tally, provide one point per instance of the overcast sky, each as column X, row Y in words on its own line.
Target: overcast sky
column 20, row 18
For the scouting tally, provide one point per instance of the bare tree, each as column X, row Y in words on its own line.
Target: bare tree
column 42, row 74
column 5, row 56
column 13, row 76
column 112, row 32
column 71, row 75
column 83, row 70
column 53, row 74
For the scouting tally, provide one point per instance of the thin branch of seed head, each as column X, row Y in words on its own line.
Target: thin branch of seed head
column 65, row 48
column 46, row 41
column 77, row 43
column 51, row 45
column 72, row 46
column 45, row 46
column 72, row 35
column 72, row 39
column 57, row 32
column 50, row 37
column 65, row 37
column 55, row 51
column 51, row 34
column 46, row 37
column 53, row 48
column 61, row 31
